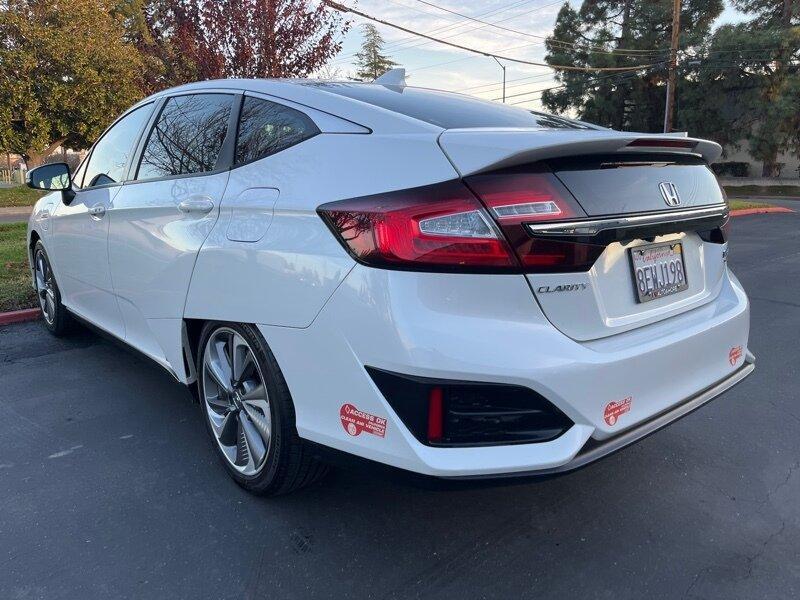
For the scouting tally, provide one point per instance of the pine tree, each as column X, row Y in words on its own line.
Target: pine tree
column 745, row 86
column 371, row 61
column 606, row 33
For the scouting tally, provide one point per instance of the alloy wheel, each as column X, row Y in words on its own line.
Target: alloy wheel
column 236, row 401
column 45, row 287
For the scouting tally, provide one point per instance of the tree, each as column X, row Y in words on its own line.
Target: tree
column 370, row 61
column 65, row 73
column 762, row 57
column 605, row 33
column 211, row 39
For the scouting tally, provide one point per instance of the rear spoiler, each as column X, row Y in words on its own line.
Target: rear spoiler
column 478, row 150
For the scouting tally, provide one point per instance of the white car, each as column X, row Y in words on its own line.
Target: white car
column 450, row 286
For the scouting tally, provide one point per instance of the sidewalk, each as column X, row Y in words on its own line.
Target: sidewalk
column 15, row 214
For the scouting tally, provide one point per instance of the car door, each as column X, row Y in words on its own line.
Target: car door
column 78, row 241
column 161, row 217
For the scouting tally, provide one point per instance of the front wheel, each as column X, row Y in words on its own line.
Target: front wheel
column 249, row 412
column 55, row 315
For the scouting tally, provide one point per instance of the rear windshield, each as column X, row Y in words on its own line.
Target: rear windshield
column 446, row 110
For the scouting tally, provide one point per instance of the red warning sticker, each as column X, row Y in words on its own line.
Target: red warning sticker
column 614, row 410
column 354, row 421
column 734, row 355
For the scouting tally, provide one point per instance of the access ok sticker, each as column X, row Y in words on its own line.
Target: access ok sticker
column 355, row 421
column 614, row 410
column 734, row 355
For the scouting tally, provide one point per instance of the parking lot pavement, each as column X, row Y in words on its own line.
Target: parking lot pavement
column 109, row 488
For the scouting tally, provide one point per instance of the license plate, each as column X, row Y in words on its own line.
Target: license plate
column 658, row 270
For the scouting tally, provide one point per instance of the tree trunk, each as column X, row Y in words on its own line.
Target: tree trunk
column 619, row 110
column 34, row 158
column 770, row 167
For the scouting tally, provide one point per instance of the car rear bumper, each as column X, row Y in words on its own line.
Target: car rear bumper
column 596, row 450
column 490, row 329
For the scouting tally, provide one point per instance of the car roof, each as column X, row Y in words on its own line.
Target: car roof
column 429, row 108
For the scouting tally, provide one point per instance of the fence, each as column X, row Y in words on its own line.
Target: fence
column 12, row 176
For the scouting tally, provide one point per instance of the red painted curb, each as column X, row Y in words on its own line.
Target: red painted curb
column 18, row 316
column 740, row 212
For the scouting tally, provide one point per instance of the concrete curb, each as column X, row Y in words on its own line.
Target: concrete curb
column 740, row 212
column 18, row 316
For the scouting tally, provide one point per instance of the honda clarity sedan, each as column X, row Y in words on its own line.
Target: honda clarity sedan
column 449, row 286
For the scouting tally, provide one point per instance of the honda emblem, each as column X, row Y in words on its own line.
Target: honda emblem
column 670, row 193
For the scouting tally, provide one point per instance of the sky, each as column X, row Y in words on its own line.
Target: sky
column 429, row 64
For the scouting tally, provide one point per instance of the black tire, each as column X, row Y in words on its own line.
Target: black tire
column 60, row 321
column 289, row 464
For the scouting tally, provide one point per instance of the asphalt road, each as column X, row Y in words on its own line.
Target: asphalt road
column 109, row 489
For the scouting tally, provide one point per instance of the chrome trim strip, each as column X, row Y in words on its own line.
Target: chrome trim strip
column 611, row 445
column 594, row 226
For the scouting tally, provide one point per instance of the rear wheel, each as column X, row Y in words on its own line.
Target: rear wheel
column 54, row 314
column 249, row 412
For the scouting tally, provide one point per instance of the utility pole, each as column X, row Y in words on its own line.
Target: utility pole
column 502, row 66
column 673, row 65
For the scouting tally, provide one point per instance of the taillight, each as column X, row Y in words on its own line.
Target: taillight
column 438, row 227
column 517, row 198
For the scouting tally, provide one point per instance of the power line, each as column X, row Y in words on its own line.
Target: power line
column 346, row 9
column 596, row 49
column 616, row 76
column 416, row 43
column 453, row 27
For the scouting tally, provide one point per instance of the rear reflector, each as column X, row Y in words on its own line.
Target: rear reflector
column 433, row 228
column 435, row 414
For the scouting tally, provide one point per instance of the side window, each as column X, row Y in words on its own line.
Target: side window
column 111, row 153
column 266, row 128
column 187, row 137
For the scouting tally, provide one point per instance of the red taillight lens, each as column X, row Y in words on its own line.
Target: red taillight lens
column 515, row 198
column 434, row 227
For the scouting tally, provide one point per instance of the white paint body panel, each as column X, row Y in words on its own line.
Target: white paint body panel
column 78, row 248
column 489, row 328
column 262, row 255
column 286, row 275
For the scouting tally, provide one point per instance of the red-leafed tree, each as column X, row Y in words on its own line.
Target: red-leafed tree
column 210, row 39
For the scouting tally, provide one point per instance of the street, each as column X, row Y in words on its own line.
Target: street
column 109, row 489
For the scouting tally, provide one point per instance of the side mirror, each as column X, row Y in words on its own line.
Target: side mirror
column 51, row 177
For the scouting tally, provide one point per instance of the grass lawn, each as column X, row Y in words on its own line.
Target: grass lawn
column 15, row 281
column 20, row 195
column 738, row 191
column 739, row 204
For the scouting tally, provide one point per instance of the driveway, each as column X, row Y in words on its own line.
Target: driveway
column 109, row 488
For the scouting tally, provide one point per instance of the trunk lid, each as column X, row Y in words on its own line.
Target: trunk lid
column 636, row 191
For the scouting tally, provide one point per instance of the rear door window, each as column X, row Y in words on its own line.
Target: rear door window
column 266, row 128
column 187, row 137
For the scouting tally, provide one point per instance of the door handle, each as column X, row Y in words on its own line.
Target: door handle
column 200, row 204
column 97, row 211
